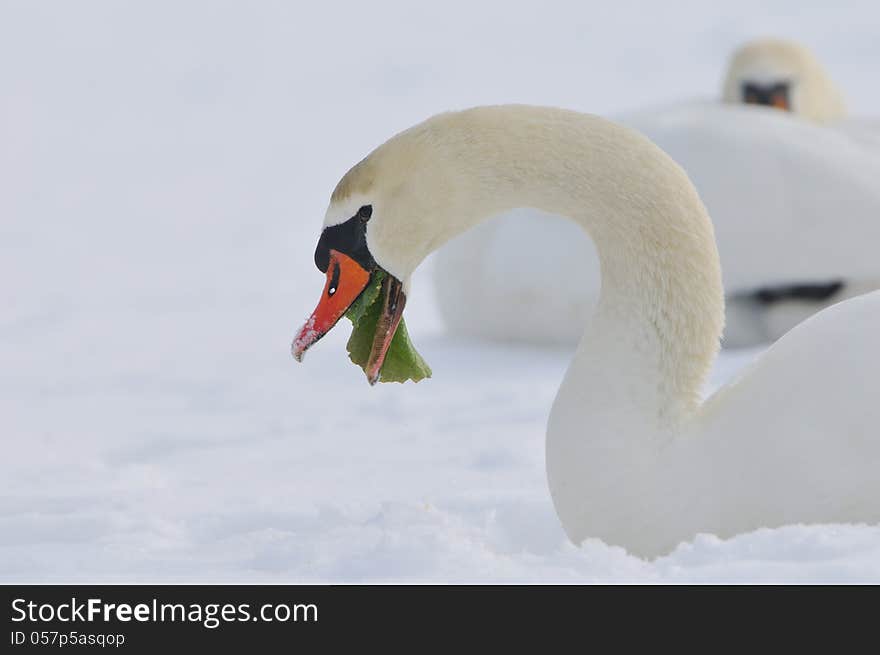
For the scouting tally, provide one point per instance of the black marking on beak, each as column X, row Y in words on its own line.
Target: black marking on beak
column 349, row 238
column 769, row 95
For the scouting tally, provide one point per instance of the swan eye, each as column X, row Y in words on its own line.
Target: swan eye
column 334, row 281
column 365, row 212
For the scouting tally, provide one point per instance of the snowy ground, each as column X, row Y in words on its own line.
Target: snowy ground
column 165, row 168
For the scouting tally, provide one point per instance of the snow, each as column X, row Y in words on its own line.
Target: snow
column 165, row 171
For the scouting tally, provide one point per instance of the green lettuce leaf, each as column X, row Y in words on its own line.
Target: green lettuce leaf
column 402, row 362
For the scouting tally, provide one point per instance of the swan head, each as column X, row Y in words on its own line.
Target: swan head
column 784, row 75
column 386, row 215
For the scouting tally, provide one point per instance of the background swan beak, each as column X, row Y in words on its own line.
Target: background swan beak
column 346, row 279
column 393, row 301
column 780, row 101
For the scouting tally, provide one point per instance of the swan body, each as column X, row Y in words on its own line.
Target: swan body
column 634, row 457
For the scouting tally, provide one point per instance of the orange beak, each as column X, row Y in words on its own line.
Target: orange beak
column 780, row 101
column 346, row 280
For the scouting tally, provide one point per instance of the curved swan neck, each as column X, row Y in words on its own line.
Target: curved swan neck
column 657, row 327
column 658, row 324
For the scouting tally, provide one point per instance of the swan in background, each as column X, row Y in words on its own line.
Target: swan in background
column 785, row 75
column 633, row 455
column 796, row 211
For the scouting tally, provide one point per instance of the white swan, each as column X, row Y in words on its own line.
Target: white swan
column 785, row 75
column 793, row 202
column 633, row 457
